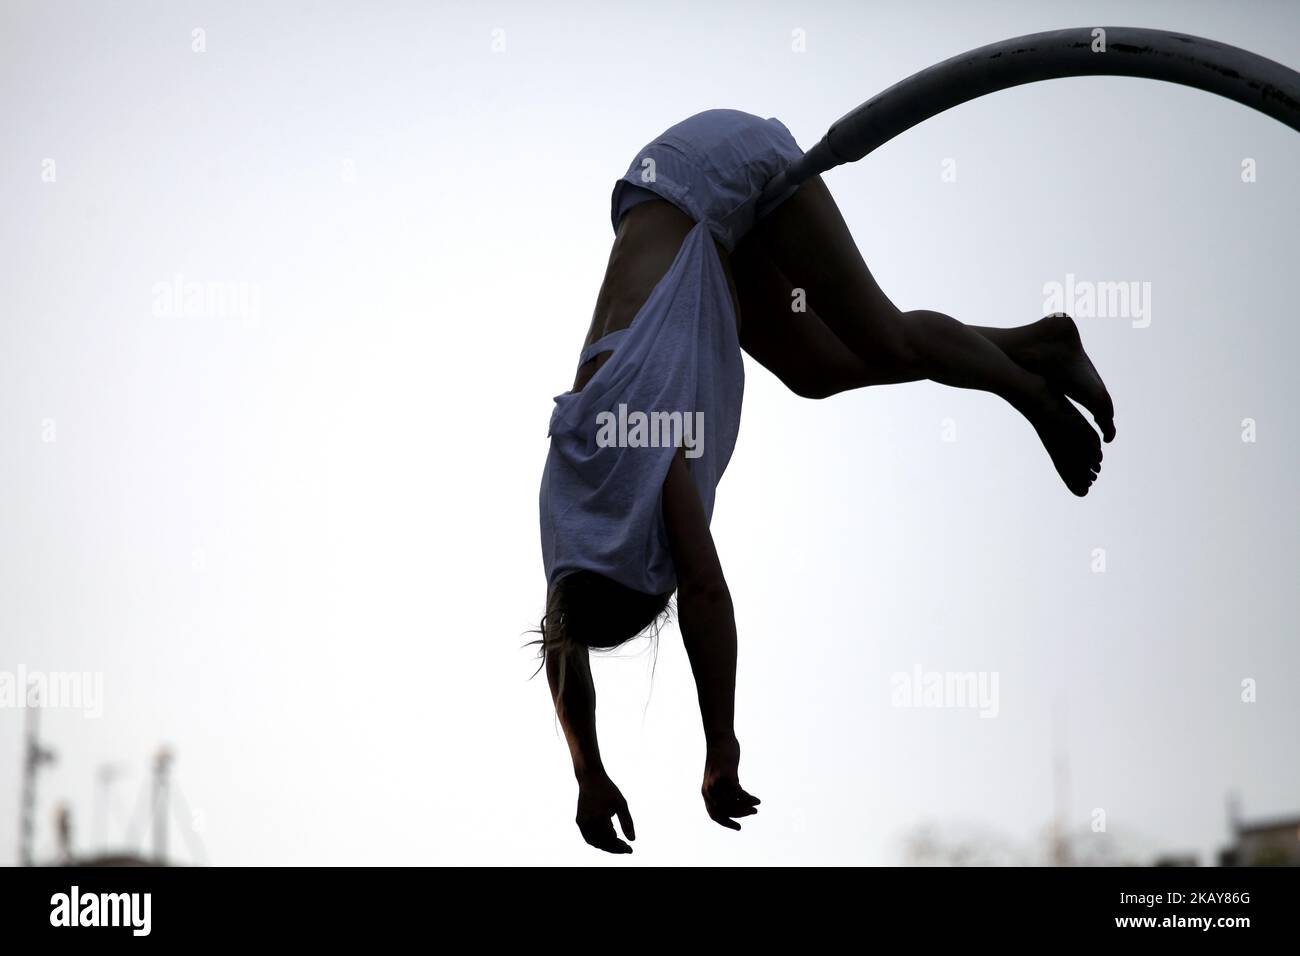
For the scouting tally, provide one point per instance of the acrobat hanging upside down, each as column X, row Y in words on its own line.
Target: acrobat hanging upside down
column 718, row 222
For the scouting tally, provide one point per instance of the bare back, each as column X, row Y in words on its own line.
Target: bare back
column 647, row 241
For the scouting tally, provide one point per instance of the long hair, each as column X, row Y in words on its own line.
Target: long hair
column 585, row 610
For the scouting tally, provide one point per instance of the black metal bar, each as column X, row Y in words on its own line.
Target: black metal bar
column 1229, row 71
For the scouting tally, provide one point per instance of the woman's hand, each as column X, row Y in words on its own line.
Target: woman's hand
column 598, row 801
column 723, row 797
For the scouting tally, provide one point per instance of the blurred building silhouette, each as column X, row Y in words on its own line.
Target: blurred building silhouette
column 1274, row 842
column 1269, row 842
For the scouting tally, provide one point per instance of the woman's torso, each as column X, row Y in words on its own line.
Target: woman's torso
column 710, row 167
column 663, row 352
column 645, row 245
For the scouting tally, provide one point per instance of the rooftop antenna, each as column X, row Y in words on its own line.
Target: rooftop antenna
column 1061, row 855
column 1234, row 813
column 34, row 757
column 63, row 829
column 162, row 763
column 106, row 775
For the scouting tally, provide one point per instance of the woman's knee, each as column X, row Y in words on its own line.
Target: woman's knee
column 817, row 382
column 886, row 343
column 817, row 388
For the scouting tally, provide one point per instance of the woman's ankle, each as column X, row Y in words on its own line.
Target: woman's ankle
column 1032, row 396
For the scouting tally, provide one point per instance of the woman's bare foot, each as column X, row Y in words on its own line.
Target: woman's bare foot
column 1069, row 439
column 1059, row 357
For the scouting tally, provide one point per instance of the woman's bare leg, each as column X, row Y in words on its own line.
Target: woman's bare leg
column 809, row 244
column 801, row 350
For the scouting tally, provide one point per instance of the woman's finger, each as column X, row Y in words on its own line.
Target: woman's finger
column 732, row 793
column 735, row 792
column 625, row 821
column 718, row 817
column 602, row 836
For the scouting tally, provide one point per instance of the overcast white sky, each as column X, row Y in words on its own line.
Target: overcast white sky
column 301, row 546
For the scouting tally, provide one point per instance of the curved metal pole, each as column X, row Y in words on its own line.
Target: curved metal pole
column 1230, row 71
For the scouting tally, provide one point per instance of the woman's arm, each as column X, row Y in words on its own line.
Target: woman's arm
column 708, row 626
column 575, row 706
column 598, row 798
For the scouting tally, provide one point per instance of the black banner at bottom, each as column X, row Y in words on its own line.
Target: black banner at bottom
column 213, row 905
